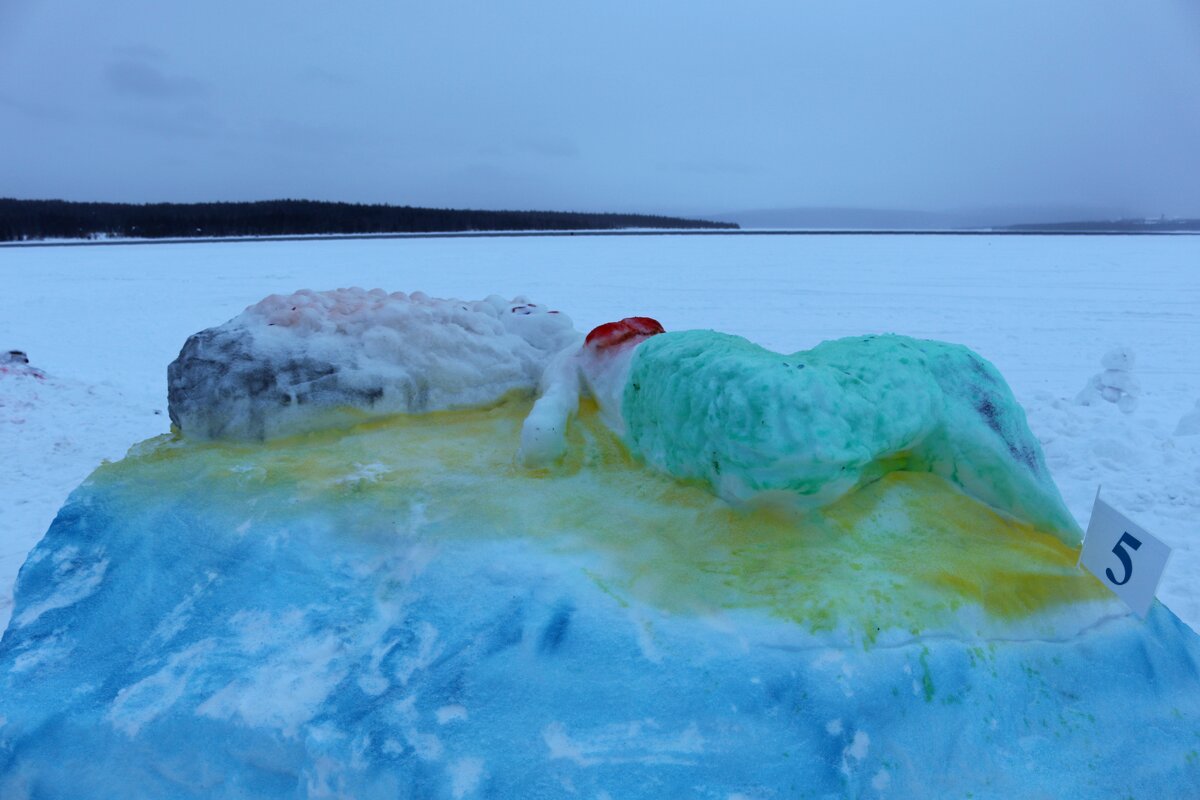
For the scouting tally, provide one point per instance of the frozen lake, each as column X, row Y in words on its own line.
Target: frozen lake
column 103, row 323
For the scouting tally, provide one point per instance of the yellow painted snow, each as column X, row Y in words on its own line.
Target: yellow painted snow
column 907, row 552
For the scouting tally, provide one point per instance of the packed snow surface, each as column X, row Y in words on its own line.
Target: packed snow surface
column 102, row 324
column 287, row 363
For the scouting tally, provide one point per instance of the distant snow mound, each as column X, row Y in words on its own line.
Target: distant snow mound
column 304, row 361
column 16, row 362
column 1189, row 423
column 1115, row 383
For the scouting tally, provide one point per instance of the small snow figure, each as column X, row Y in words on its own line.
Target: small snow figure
column 1115, row 383
column 1189, row 423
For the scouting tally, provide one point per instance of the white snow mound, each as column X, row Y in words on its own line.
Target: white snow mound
column 1115, row 383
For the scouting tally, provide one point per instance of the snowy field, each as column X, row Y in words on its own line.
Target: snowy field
column 104, row 322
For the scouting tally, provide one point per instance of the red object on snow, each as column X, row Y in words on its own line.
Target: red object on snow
column 612, row 334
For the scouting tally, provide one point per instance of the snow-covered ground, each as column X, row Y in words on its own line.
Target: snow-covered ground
column 104, row 322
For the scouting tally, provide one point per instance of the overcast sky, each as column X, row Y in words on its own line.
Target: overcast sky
column 677, row 107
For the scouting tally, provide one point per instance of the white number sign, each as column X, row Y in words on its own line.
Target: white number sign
column 1125, row 558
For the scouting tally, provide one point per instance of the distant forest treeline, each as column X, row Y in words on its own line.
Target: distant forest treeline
column 58, row 219
column 1163, row 225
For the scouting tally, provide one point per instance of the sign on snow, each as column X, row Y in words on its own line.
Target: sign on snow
column 1124, row 556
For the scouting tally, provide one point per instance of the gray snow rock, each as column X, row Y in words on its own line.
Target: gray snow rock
column 312, row 360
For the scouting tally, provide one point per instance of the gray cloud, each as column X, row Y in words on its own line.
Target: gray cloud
column 549, row 147
column 140, row 52
column 139, row 78
column 38, row 110
column 318, row 139
column 327, row 78
column 188, row 122
column 715, row 165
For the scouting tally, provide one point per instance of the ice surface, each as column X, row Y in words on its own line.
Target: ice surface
column 391, row 610
column 294, row 363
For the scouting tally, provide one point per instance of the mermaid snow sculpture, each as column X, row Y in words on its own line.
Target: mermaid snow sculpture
column 801, row 429
column 804, row 428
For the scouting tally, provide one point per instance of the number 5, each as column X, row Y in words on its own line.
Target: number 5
column 1134, row 544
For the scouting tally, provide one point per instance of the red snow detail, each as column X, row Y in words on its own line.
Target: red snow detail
column 32, row 372
column 611, row 334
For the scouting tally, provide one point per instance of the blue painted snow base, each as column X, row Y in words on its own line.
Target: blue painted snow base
column 195, row 624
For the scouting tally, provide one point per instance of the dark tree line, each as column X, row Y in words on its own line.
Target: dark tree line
column 58, row 219
column 1163, row 225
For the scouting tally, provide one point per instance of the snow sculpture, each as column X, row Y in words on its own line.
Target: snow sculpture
column 1189, row 423
column 1115, row 383
column 804, row 428
column 393, row 610
column 296, row 363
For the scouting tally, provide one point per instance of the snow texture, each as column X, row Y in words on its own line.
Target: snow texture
column 293, row 363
